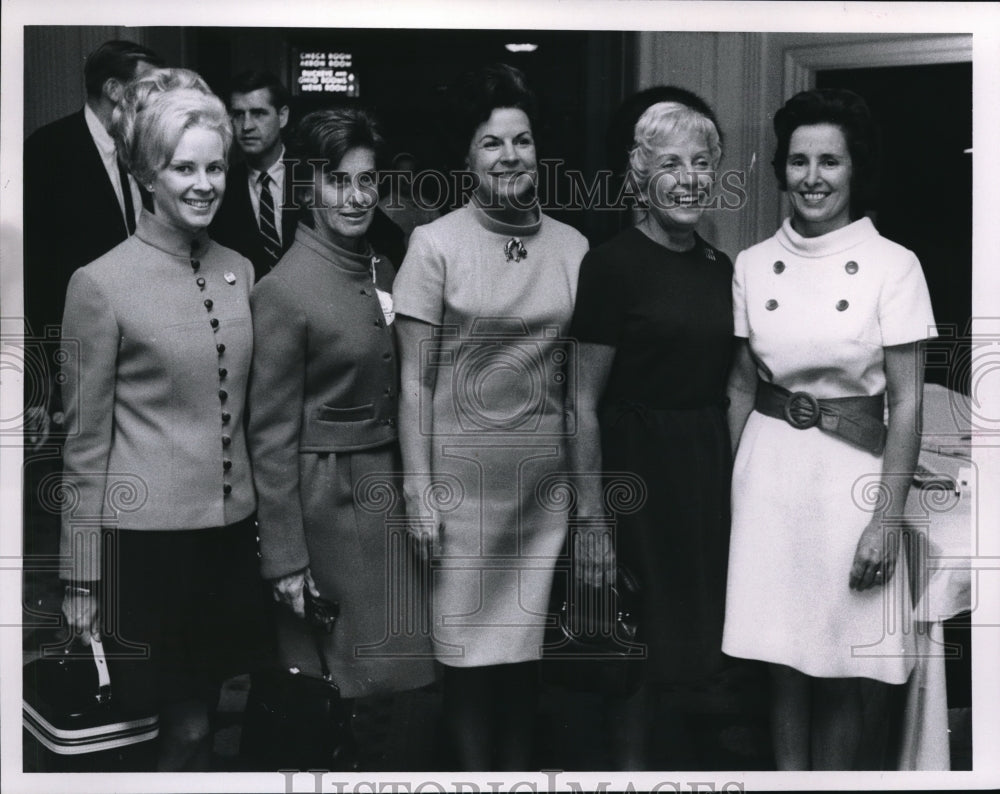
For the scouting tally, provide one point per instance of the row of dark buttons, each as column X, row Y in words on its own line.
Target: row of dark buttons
column 842, row 305
column 220, row 348
column 851, row 267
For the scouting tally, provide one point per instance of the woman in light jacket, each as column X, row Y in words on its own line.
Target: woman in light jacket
column 160, row 334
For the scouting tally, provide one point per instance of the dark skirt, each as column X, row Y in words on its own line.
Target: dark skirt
column 677, row 543
column 188, row 608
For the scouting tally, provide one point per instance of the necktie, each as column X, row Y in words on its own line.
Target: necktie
column 127, row 198
column 268, row 230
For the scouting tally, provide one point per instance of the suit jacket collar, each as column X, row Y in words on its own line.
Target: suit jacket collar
column 153, row 230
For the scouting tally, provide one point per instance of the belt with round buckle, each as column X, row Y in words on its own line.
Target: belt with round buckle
column 801, row 410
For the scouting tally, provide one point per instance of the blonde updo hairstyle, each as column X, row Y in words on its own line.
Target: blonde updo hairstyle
column 156, row 110
column 656, row 127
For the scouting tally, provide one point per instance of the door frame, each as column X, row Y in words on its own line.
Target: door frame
column 802, row 63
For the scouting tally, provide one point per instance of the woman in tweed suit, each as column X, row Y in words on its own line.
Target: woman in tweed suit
column 323, row 437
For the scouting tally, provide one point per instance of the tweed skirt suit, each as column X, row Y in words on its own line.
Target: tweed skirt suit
column 323, row 439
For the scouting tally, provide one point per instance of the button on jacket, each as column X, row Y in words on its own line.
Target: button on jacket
column 144, row 384
column 324, row 380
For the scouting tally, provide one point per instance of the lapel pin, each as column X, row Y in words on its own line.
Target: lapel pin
column 230, row 277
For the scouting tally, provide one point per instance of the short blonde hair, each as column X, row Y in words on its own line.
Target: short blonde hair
column 156, row 110
column 655, row 128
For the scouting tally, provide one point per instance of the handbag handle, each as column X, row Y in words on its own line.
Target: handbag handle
column 103, row 675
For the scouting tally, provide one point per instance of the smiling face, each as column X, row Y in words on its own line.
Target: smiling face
column 502, row 155
column 188, row 189
column 818, row 171
column 680, row 184
column 348, row 199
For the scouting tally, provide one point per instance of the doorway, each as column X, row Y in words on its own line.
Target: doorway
column 925, row 197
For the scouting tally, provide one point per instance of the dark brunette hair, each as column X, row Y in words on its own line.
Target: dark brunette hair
column 254, row 80
column 847, row 111
column 327, row 135
column 477, row 93
column 117, row 59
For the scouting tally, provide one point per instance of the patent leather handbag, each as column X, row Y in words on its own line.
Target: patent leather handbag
column 595, row 642
column 70, row 706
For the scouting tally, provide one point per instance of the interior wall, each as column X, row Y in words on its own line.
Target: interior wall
column 741, row 75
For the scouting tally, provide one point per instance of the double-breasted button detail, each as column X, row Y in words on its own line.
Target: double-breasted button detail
column 223, row 372
column 195, row 265
column 227, row 489
column 771, row 305
column 215, row 323
column 779, row 267
column 851, row 268
column 387, row 356
column 226, row 441
column 842, row 305
column 223, row 395
column 221, row 348
column 227, row 464
column 209, row 304
column 200, row 282
column 226, row 416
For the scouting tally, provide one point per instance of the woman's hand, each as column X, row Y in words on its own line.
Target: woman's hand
column 288, row 590
column 594, row 560
column 875, row 556
column 82, row 613
column 423, row 522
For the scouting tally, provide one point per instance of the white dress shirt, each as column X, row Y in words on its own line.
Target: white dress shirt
column 106, row 146
column 277, row 174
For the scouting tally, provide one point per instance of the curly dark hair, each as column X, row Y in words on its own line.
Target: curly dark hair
column 847, row 111
column 477, row 93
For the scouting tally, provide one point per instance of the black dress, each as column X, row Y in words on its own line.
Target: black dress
column 663, row 418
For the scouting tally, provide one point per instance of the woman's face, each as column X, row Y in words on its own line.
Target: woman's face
column 818, row 171
column 502, row 155
column 187, row 191
column 348, row 199
column 680, row 182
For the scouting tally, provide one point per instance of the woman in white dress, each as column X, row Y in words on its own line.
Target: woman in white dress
column 831, row 315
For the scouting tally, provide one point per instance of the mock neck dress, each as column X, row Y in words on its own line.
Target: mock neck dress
column 818, row 313
column 500, row 297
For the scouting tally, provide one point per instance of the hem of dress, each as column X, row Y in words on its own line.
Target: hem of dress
column 813, row 673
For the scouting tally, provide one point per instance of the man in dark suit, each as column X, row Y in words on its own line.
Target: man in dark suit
column 79, row 203
column 256, row 218
column 75, row 207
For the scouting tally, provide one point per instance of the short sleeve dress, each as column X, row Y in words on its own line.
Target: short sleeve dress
column 663, row 426
column 500, row 297
column 817, row 313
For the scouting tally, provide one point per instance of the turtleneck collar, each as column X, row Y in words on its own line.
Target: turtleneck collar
column 490, row 223
column 153, row 230
column 827, row 244
column 349, row 260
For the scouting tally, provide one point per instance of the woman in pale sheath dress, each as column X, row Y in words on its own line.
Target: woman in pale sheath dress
column 483, row 300
column 829, row 311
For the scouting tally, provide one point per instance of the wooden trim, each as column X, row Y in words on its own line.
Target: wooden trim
column 802, row 63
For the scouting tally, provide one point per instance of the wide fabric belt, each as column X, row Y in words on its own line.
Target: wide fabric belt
column 856, row 420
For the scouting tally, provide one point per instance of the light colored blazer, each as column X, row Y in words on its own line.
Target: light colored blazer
column 154, row 393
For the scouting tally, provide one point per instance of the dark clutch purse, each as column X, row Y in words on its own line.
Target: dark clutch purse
column 595, row 643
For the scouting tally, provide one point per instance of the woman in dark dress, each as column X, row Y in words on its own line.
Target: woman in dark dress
column 654, row 329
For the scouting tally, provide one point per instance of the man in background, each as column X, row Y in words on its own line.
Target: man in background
column 256, row 218
column 79, row 201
